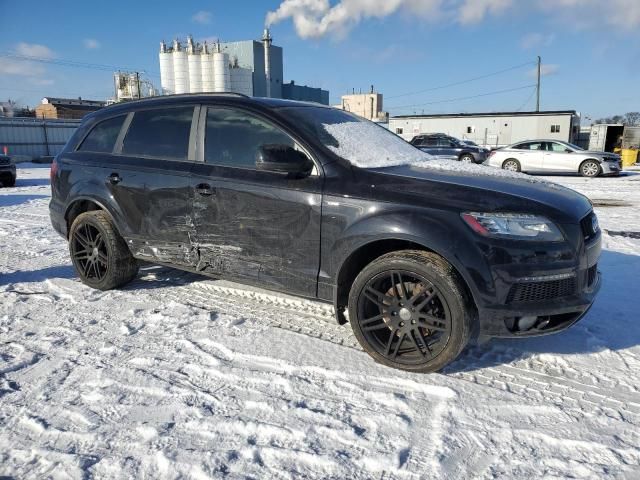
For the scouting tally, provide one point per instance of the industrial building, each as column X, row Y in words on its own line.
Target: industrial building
column 493, row 129
column 366, row 105
column 250, row 67
column 69, row 108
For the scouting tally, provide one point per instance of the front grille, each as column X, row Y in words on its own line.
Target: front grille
column 586, row 224
column 591, row 275
column 539, row 291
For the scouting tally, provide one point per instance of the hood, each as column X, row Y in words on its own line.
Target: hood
column 484, row 189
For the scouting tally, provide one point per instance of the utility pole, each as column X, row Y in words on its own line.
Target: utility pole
column 538, row 85
column 138, row 80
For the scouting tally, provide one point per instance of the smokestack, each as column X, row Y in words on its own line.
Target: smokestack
column 266, row 42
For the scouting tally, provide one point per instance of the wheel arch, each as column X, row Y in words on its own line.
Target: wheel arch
column 367, row 252
column 82, row 204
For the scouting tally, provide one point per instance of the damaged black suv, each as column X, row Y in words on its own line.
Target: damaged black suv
column 419, row 255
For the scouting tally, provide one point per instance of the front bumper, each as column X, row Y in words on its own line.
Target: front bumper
column 611, row 168
column 550, row 316
column 540, row 298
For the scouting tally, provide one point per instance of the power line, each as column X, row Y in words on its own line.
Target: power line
column 497, row 92
column 533, row 91
column 71, row 63
column 461, row 82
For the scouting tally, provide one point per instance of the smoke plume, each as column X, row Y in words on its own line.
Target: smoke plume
column 316, row 18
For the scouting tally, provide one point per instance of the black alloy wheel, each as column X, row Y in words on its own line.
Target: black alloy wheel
column 404, row 317
column 409, row 310
column 98, row 252
column 89, row 252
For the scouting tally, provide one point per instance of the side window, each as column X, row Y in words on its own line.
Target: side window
column 444, row 142
column 103, row 136
column 160, row 132
column 556, row 147
column 233, row 137
column 430, row 142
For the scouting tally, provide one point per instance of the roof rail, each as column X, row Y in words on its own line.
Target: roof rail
column 201, row 94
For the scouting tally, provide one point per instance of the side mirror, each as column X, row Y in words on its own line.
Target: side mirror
column 568, row 150
column 283, row 159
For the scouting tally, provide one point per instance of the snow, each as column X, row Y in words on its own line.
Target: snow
column 180, row 376
column 389, row 150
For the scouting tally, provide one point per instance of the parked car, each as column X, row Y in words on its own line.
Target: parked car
column 317, row 202
column 446, row 147
column 554, row 156
column 7, row 171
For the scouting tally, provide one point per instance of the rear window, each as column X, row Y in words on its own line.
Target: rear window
column 160, row 133
column 102, row 137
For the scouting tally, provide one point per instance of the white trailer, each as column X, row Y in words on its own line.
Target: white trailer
column 493, row 129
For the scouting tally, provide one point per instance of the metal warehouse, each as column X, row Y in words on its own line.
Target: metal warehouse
column 493, row 129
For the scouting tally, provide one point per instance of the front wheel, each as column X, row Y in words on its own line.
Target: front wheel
column 590, row 168
column 98, row 253
column 408, row 311
column 511, row 165
column 466, row 158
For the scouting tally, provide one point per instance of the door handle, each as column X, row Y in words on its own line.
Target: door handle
column 114, row 178
column 204, row 189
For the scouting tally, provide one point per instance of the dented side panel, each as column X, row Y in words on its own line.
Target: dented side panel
column 260, row 226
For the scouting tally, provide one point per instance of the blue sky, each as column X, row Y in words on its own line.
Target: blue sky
column 590, row 49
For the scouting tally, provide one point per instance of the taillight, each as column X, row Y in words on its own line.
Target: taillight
column 54, row 170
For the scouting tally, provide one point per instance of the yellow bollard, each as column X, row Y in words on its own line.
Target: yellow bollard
column 629, row 157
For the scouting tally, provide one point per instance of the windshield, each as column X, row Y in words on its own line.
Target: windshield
column 361, row 142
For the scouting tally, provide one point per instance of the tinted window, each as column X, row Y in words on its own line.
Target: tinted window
column 430, row 141
column 233, row 137
column 445, row 142
column 160, row 133
column 103, row 136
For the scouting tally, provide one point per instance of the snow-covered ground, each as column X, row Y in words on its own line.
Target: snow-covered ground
column 180, row 376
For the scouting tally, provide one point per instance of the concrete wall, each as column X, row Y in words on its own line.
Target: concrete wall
column 366, row 105
column 28, row 138
column 490, row 130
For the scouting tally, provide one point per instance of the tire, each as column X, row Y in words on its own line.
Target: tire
column 467, row 158
column 590, row 168
column 416, row 297
column 512, row 165
column 98, row 252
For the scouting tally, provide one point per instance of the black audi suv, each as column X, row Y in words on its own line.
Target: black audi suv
column 418, row 255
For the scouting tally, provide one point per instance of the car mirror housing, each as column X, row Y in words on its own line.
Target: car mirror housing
column 283, row 159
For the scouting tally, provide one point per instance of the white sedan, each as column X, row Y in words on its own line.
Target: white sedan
column 553, row 156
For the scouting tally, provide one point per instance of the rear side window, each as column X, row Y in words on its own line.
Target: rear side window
column 233, row 137
column 160, row 133
column 102, row 137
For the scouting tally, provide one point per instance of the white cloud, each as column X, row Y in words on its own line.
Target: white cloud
column 41, row 81
column 91, row 44
column 545, row 69
column 22, row 68
column 624, row 14
column 474, row 11
column 202, row 17
column 34, row 50
column 535, row 40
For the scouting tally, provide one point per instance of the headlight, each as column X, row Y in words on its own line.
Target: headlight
column 517, row 226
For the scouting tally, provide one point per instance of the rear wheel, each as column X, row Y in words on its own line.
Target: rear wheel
column 590, row 168
column 408, row 311
column 467, row 158
column 98, row 253
column 512, row 165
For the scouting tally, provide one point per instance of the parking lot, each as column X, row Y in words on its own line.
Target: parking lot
column 181, row 375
